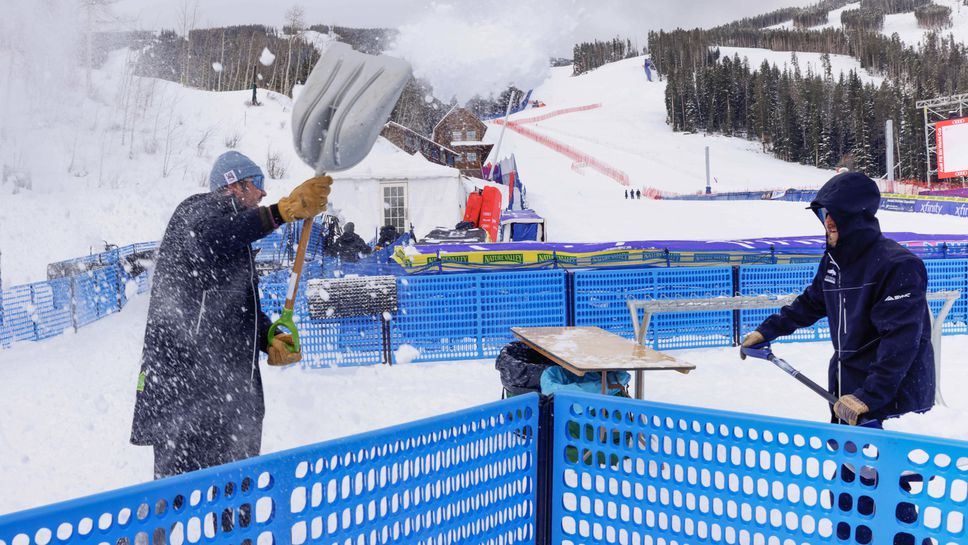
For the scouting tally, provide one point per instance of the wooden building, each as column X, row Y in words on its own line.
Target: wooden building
column 412, row 142
column 461, row 131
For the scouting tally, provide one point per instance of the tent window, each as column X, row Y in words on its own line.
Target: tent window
column 395, row 206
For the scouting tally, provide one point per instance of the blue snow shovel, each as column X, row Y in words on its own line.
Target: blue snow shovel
column 762, row 351
column 336, row 119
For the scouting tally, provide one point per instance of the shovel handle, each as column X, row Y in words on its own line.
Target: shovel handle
column 286, row 319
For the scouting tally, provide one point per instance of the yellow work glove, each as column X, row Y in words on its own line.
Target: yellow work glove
column 279, row 354
column 307, row 200
column 848, row 408
column 753, row 338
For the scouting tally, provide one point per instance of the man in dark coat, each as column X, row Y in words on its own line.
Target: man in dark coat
column 873, row 292
column 199, row 401
column 350, row 246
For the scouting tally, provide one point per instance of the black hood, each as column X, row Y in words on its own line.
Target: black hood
column 852, row 200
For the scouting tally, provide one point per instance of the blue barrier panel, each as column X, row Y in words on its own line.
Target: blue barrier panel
column 441, row 315
column 950, row 274
column 600, row 300
column 52, row 305
column 527, row 299
column 629, row 471
column 18, row 318
column 86, row 295
column 778, row 280
column 464, row 477
column 336, row 342
column 466, row 316
column 943, row 274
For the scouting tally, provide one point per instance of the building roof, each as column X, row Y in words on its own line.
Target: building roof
column 446, row 115
column 469, row 143
column 388, row 162
column 420, row 136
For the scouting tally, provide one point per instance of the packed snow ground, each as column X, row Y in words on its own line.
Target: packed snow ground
column 69, row 402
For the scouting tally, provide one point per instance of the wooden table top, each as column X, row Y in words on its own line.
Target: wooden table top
column 592, row 349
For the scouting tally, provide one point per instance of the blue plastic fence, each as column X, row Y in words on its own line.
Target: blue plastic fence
column 628, row 471
column 45, row 309
column 464, row 477
column 441, row 317
column 600, row 300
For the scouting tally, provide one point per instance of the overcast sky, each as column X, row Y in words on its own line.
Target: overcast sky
column 599, row 18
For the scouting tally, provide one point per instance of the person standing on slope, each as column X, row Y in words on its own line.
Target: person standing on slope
column 199, row 397
column 873, row 292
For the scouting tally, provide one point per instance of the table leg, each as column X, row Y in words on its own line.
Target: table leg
column 604, row 383
column 639, row 384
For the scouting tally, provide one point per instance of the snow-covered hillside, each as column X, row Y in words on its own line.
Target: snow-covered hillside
column 629, row 133
column 808, row 62
column 108, row 174
column 905, row 25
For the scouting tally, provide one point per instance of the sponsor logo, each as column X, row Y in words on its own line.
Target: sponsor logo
column 562, row 258
column 608, row 258
column 503, row 258
column 832, row 272
column 710, row 258
column 830, row 279
column 962, row 210
column 930, row 208
column 897, row 297
column 230, row 177
column 454, row 258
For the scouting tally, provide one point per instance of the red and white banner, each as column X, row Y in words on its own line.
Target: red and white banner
column 952, row 137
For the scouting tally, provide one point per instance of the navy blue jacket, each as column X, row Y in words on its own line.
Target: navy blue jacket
column 205, row 327
column 872, row 290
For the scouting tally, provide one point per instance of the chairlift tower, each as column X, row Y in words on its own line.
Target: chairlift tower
column 935, row 110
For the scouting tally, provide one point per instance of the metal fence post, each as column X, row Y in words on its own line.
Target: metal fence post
column 33, row 314
column 545, row 470
column 737, row 317
column 73, row 285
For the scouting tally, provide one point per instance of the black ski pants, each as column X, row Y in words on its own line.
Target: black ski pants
column 197, row 445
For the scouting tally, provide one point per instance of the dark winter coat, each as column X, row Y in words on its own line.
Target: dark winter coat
column 205, row 327
column 872, row 291
column 349, row 246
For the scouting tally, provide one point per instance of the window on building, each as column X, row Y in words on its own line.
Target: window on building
column 472, row 157
column 456, row 136
column 395, row 206
column 472, row 135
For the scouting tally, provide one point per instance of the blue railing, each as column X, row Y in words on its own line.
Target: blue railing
column 628, row 471
column 469, row 315
column 581, row 469
column 99, row 286
column 441, row 317
column 464, row 477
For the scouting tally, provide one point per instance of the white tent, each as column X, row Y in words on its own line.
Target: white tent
column 392, row 186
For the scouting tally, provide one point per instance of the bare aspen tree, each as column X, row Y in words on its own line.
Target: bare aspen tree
column 295, row 23
column 187, row 17
column 96, row 13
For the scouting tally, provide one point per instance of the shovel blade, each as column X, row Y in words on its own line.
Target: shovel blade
column 343, row 106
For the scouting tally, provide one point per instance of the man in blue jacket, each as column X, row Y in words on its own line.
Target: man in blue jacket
column 872, row 290
column 199, row 396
